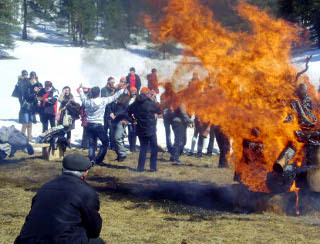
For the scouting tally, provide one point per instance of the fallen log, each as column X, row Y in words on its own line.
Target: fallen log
column 284, row 159
column 282, row 182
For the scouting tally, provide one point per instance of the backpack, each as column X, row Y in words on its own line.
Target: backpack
column 17, row 139
column 15, row 92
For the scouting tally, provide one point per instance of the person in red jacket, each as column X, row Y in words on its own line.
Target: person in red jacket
column 133, row 80
column 153, row 81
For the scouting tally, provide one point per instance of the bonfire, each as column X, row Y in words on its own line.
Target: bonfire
column 250, row 89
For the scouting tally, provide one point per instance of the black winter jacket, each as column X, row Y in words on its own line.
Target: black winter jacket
column 31, row 97
column 64, row 211
column 120, row 109
column 144, row 110
column 23, row 86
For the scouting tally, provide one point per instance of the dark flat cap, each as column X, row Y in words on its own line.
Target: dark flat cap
column 76, row 162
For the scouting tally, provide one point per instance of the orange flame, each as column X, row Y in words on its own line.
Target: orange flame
column 296, row 190
column 249, row 82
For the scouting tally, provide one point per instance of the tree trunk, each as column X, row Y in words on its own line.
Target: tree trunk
column 80, row 35
column 25, row 15
column 69, row 23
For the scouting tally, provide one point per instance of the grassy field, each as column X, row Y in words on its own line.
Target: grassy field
column 191, row 203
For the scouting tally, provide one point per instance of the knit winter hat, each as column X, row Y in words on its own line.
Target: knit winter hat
column 144, row 90
column 76, row 162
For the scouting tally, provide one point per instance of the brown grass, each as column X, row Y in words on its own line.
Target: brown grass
column 173, row 205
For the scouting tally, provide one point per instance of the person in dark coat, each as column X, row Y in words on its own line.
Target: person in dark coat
column 25, row 113
column 133, row 79
column 181, row 120
column 119, row 116
column 23, row 85
column 109, row 88
column 132, row 135
column 64, row 210
column 48, row 110
column 153, row 81
column 30, row 108
column 143, row 110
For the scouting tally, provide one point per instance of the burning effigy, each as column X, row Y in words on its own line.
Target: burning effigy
column 251, row 90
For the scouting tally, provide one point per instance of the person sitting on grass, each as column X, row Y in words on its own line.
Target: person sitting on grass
column 66, row 209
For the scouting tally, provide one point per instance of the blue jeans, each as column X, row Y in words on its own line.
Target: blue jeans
column 96, row 131
column 132, row 137
column 45, row 119
column 180, row 139
column 211, row 140
column 27, row 117
column 144, row 142
column 118, row 130
column 167, row 127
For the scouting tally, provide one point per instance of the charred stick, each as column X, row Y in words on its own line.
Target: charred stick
column 305, row 70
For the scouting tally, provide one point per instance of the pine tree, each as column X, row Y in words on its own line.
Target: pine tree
column 114, row 27
column 81, row 19
column 8, row 23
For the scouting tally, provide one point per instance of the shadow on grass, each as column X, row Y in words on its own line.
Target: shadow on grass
column 175, row 197
column 17, row 160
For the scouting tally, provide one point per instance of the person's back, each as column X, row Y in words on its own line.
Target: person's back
column 95, row 107
column 23, row 86
column 64, row 210
column 144, row 110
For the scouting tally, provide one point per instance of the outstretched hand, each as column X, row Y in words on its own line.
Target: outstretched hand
column 125, row 86
column 80, row 86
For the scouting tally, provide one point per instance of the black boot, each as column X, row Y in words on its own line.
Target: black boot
column 199, row 155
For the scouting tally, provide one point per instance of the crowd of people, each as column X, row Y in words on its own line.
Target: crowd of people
column 66, row 209
column 114, row 111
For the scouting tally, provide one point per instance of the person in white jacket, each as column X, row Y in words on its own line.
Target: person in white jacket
column 95, row 108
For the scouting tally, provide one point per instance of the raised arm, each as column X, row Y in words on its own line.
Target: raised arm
column 108, row 100
column 83, row 97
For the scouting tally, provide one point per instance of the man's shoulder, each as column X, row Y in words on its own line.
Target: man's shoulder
column 68, row 181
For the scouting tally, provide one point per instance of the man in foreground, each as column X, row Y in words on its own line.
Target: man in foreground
column 66, row 209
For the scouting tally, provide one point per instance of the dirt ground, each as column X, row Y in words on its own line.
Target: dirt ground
column 191, row 203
